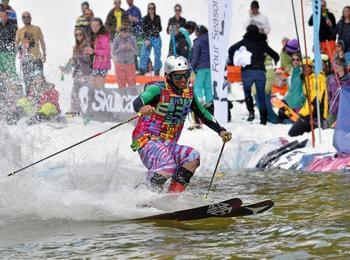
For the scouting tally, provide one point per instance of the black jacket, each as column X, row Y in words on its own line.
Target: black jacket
column 343, row 31
column 326, row 31
column 181, row 22
column 257, row 45
column 151, row 28
column 181, row 44
column 7, row 37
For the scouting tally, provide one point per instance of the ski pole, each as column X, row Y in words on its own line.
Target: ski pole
column 216, row 167
column 76, row 144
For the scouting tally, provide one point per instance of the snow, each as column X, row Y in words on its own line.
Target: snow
column 96, row 180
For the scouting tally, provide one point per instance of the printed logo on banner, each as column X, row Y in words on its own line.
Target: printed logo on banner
column 108, row 104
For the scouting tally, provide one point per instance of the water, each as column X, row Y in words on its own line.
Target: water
column 310, row 219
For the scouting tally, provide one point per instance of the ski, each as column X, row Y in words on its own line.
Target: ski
column 224, row 209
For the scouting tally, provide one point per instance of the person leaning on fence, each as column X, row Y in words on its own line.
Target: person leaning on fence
column 124, row 51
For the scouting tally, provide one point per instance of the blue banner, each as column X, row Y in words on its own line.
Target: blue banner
column 341, row 138
column 317, row 12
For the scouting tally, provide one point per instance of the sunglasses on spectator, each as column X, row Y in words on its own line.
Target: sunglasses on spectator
column 180, row 76
column 26, row 16
column 151, row 8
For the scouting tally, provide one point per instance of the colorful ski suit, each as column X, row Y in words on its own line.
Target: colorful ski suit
column 155, row 137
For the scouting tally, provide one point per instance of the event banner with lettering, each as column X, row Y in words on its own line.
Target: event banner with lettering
column 219, row 29
column 114, row 104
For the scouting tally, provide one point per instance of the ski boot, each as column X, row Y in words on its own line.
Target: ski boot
column 250, row 107
column 180, row 180
column 156, row 182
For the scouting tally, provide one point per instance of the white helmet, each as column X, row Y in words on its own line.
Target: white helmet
column 175, row 63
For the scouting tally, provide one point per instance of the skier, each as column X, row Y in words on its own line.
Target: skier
column 164, row 107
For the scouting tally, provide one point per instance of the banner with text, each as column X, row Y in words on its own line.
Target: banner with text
column 219, row 29
column 113, row 105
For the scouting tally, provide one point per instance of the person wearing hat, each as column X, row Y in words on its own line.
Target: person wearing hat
column 258, row 19
column 164, row 107
column 290, row 46
column 334, row 88
column 303, row 124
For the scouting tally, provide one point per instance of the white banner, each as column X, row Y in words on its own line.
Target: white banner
column 219, row 29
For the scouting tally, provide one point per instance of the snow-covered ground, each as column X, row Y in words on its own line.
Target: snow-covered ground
column 98, row 178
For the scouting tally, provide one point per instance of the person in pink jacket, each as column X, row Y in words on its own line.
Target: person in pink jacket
column 101, row 51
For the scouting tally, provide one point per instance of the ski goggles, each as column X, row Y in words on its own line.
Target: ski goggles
column 180, row 76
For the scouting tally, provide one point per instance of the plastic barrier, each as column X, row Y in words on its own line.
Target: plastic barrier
column 234, row 74
column 141, row 80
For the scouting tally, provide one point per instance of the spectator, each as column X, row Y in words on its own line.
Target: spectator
column 10, row 92
column 7, row 46
column 343, row 27
column 135, row 19
column 12, row 16
column 187, row 31
column 176, row 19
column 342, row 52
column 115, row 18
column 29, row 40
column 81, row 20
column 289, row 47
column 101, row 52
column 151, row 28
column 42, row 101
column 335, row 82
column 124, row 51
column 258, row 19
column 82, row 69
column 295, row 97
column 303, row 124
column 85, row 21
column 200, row 64
column 178, row 42
column 255, row 44
column 327, row 29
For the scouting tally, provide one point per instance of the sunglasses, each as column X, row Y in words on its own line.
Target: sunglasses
column 180, row 76
column 177, row 10
column 151, row 8
column 25, row 16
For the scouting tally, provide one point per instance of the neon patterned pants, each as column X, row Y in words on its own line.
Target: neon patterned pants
column 160, row 156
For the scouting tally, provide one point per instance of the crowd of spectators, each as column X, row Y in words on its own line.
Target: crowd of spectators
column 124, row 40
